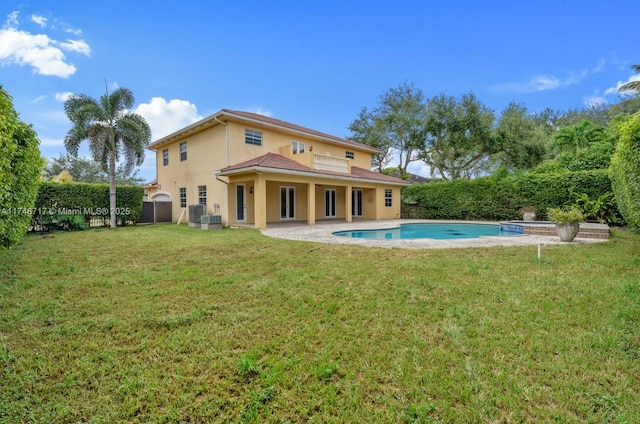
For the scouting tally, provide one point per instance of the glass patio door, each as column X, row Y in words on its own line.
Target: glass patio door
column 356, row 202
column 241, row 203
column 287, row 203
column 330, row 203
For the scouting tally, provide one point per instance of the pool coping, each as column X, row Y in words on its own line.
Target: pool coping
column 322, row 232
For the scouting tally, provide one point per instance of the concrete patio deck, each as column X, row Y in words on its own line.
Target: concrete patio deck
column 322, row 233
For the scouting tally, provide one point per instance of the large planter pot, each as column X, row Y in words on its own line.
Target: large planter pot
column 567, row 232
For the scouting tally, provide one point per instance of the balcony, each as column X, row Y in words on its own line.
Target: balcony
column 330, row 163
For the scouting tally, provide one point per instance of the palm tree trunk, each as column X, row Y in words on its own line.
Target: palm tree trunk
column 112, row 188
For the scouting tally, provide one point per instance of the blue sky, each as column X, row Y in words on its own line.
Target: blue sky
column 315, row 64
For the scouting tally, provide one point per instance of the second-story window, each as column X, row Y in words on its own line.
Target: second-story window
column 298, row 147
column 165, row 157
column 183, row 151
column 350, row 155
column 253, row 137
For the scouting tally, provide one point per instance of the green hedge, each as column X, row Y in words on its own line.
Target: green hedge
column 20, row 167
column 625, row 172
column 87, row 199
column 503, row 199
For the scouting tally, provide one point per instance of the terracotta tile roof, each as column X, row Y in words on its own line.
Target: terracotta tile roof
column 289, row 125
column 279, row 162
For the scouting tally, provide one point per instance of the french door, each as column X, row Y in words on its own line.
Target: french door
column 287, row 202
column 356, row 202
column 241, row 203
column 330, row 203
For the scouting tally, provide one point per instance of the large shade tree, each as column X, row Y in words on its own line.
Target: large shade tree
column 395, row 126
column 113, row 133
column 459, row 136
column 520, row 139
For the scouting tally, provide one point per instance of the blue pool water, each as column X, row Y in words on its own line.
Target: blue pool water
column 438, row 231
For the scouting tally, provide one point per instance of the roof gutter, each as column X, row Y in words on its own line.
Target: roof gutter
column 306, row 174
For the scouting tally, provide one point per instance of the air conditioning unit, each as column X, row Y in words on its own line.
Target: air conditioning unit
column 211, row 219
column 195, row 212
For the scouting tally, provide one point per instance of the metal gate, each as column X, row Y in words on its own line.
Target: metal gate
column 155, row 211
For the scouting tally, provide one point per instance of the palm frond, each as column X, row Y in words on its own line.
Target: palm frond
column 81, row 108
column 116, row 103
column 631, row 85
column 135, row 134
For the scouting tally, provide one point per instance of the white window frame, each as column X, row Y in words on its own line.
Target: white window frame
column 183, row 151
column 388, row 198
column 165, row 157
column 183, row 197
column 298, row 147
column 202, row 196
column 289, row 203
column 349, row 155
column 330, row 202
column 252, row 137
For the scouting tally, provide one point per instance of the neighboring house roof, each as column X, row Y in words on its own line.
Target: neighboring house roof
column 256, row 119
column 279, row 163
column 413, row 178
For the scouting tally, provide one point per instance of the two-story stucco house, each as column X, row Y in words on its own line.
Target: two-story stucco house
column 256, row 170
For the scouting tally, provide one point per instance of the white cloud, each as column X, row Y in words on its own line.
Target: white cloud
column 594, row 101
column 38, row 99
column 40, row 20
column 38, row 51
column 614, row 90
column 76, row 46
column 548, row 82
column 261, row 111
column 64, row 96
column 51, row 142
column 167, row 117
column 12, row 19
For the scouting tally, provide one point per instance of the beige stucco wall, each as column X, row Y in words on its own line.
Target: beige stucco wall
column 207, row 153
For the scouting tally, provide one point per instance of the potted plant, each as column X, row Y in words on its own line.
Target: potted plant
column 567, row 222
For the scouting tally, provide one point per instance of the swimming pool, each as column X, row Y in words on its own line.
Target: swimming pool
column 438, row 231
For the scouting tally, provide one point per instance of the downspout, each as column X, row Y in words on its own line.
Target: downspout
column 226, row 211
column 226, row 152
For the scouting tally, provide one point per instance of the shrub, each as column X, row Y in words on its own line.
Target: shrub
column 503, row 199
column 625, row 172
column 20, row 167
column 565, row 216
column 87, row 200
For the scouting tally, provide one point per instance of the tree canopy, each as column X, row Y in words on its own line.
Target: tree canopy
column 395, row 126
column 459, row 136
column 20, row 167
column 87, row 170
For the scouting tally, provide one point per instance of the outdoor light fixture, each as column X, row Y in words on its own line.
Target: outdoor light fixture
column 250, row 190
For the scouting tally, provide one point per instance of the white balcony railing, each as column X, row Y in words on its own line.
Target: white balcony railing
column 330, row 163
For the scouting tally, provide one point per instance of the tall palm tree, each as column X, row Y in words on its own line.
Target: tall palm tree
column 632, row 85
column 111, row 130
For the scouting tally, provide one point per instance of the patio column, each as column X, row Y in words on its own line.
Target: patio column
column 347, row 203
column 260, row 201
column 311, row 204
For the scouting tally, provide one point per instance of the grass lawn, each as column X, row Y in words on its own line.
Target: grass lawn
column 166, row 323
